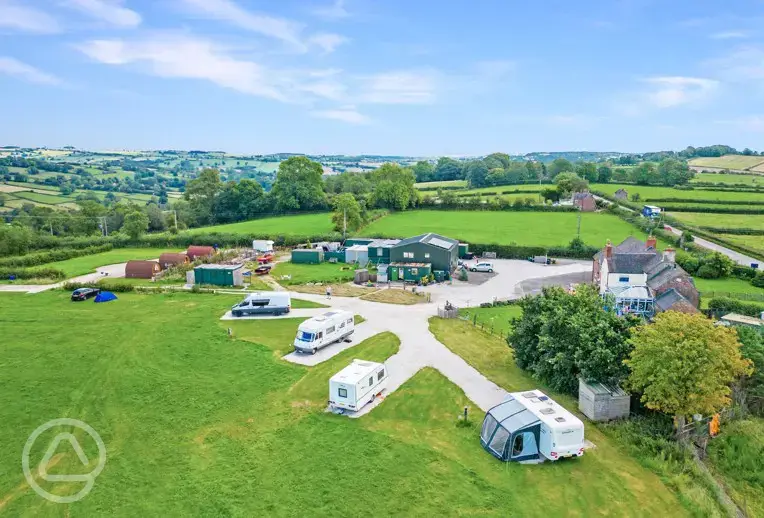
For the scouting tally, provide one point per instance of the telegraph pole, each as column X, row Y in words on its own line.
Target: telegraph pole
column 175, row 215
column 578, row 232
column 344, row 224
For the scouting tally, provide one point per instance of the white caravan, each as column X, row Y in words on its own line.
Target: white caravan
column 262, row 245
column 318, row 332
column 561, row 433
column 357, row 384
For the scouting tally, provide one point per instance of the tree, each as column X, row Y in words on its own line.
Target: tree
column 674, row 172
column 348, row 211
column 497, row 160
column 604, row 174
column 136, row 223
column 645, row 174
column 568, row 183
column 561, row 337
column 559, row 165
column 393, row 187
column 752, row 348
column 15, row 239
column 424, row 171
column 201, row 193
column 683, row 364
column 587, row 171
column 298, row 185
column 477, row 174
column 156, row 217
column 448, row 169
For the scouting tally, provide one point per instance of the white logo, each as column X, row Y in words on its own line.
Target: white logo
column 42, row 467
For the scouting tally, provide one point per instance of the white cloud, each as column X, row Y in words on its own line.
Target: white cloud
column 187, row 57
column 110, row 11
column 347, row 114
column 18, row 69
column 729, row 35
column 327, row 42
column 27, row 19
column 672, row 91
column 400, row 87
column 335, row 11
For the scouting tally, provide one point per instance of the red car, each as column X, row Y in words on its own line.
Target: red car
column 265, row 258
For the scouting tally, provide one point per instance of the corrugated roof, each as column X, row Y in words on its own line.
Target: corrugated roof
column 743, row 319
column 428, row 238
column 603, row 389
column 219, row 266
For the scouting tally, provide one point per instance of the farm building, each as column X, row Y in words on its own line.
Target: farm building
column 408, row 272
column 600, row 402
column 584, row 201
column 621, row 194
column 169, row 259
column 357, row 241
column 142, row 269
column 379, row 250
column 219, row 274
column 194, row 252
column 307, row 256
column 438, row 251
column 357, row 254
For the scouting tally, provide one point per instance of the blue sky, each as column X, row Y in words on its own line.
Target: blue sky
column 389, row 77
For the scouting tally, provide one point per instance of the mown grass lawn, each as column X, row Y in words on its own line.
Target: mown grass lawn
column 197, row 423
column 522, row 228
column 728, row 161
column 494, row 319
column 88, row 263
column 304, row 273
column 730, row 285
column 300, row 225
column 444, row 183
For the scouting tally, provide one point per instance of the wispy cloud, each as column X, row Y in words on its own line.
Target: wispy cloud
column 672, row 91
column 20, row 70
column 279, row 28
column 743, row 64
column 334, row 11
column 729, row 35
column 400, row 87
column 347, row 114
column 19, row 17
column 109, row 11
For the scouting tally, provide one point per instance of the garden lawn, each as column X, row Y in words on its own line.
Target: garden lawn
column 199, row 423
column 495, row 319
column 89, row 263
column 721, row 287
column 505, row 227
column 304, row 273
column 301, row 225
column 395, row 296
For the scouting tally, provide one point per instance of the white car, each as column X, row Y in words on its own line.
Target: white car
column 482, row 267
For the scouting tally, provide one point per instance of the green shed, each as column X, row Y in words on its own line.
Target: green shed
column 339, row 255
column 464, row 249
column 219, row 274
column 357, row 241
column 379, row 250
column 307, row 256
column 408, row 272
column 441, row 252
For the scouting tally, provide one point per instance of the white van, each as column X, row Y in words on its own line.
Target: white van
column 263, row 303
column 318, row 332
column 357, row 384
column 262, row 245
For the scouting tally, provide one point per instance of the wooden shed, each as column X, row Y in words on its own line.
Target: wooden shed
column 141, row 269
column 170, row 259
column 600, row 402
column 199, row 251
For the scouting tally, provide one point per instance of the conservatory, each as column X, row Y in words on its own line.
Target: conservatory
column 635, row 300
column 511, row 432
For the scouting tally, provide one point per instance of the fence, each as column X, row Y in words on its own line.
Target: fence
column 757, row 297
column 485, row 326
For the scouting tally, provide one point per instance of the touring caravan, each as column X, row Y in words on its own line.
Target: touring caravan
column 357, row 384
column 530, row 426
column 262, row 245
column 263, row 303
column 318, row 332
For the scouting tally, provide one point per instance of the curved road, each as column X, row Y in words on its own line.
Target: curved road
column 739, row 258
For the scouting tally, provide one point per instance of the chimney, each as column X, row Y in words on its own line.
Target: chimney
column 609, row 249
column 651, row 242
column 669, row 255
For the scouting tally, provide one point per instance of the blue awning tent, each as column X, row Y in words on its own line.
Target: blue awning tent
column 105, row 296
column 510, row 432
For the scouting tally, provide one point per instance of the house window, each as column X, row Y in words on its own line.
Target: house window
column 342, row 392
column 426, row 256
column 408, row 255
column 623, row 278
column 379, row 252
column 381, row 374
column 414, row 271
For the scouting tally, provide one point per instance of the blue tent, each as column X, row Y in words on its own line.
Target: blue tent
column 105, row 296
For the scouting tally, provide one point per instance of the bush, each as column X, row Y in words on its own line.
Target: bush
column 31, row 273
column 707, row 272
column 105, row 286
column 758, row 280
column 50, row 256
column 723, row 305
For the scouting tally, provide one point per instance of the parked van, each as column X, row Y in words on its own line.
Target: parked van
column 263, row 303
column 318, row 332
column 262, row 245
column 357, row 384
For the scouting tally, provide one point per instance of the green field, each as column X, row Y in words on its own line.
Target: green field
column 89, row 263
column 700, row 219
column 41, row 198
column 649, row 192
column 739, row 162
column 199, row 423
column 446, row 183
column 748, row 179
column 303, row 273
column 494, row 319
column 730, row 285
column 754, row 242
column 301, row 225
column 506, row 189
column 523, row 228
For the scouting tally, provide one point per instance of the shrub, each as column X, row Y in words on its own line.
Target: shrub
column 723, row 305
column 758, row 280
column 707, row 272
column 105, row 286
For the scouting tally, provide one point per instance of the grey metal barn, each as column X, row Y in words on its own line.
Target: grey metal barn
column 600, row 402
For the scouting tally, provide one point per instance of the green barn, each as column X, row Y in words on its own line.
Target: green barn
column 307, row 255
column 440, row 252
column 408, row 272
column 219, row 274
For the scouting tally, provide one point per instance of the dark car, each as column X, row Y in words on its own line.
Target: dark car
column 263, row 269
column 84, row 293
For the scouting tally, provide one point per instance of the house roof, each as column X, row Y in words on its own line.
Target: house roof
column 383, row 243
column 621, row 190
column 629, row 245
column 631, row 292
column 430, row 239
column 674, row 301
column 631, row 262
column 582, row 196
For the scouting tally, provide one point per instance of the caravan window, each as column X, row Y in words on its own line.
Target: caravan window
column 414, row 271
column 342, row 325
column 261, row 303
column 342, row 392
column 379, row 252
column 350, row 320
column 320, row 335
column 408, row 255
column 426, row 256
column 330, row 330
column 381, row 374
column 371, row 381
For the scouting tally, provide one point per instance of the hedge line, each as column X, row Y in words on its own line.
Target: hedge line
column 443, row 188
column 105, row 286
column 727, row 305
column 31, row 273
column 524, row 252
column 736, row 231
column 60, row 254
column 496, row 207
column 711, row 210
column 496, row 193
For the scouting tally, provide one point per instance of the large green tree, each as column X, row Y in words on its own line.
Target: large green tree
column 424, row 171
column 393, row 187
column 348, row 213
column 568, row 183
column 674, row 172
column 559, row 165
column 752, row 388
column 477, row 174
column 587, row 171
column 201, row 192
column 136, row 224
column 683, row 364
column 298, row 185
column 448, row 169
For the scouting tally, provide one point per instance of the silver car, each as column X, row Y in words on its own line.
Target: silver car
column 482, row 267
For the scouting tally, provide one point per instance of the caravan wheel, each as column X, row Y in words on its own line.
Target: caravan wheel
column 315, row 350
